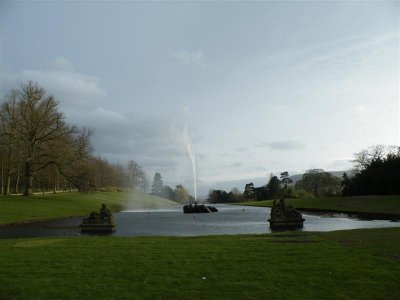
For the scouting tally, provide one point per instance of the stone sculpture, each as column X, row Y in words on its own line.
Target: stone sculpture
column 197, row 208
column 283, row 216
column 97, row 222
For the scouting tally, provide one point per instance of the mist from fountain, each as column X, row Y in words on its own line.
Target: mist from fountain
column 192, row 156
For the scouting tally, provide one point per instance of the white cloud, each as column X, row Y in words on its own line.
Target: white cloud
column 185, row 109
column 340, row 164
column 189, row 57
column 61, row 63
column 361, row 108
column 71, row 88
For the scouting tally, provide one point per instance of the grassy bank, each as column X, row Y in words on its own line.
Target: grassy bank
column 51, row 206
column 357, row 264
column 389, row 205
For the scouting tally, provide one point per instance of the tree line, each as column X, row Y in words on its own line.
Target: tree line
column 377, row 172
column 221, row 196
column 40, row 151
column 179, row 194
column 315, row 182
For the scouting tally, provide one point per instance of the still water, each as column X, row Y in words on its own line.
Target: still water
column 173, row 222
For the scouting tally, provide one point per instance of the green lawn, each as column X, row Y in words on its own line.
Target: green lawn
column 389, row 205
column 356, row 264
column 51, row 206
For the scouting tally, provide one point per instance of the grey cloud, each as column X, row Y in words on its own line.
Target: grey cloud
column 256, row 168
column 242, row 149
column 282, row 145
column 154, row 141
column 235, row 165
column 151, row 144
column 200, row 156
column 223, row 154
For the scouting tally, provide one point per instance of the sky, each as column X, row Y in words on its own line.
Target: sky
column 256, row 87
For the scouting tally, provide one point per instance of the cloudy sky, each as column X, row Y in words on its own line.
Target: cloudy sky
column 260, row 86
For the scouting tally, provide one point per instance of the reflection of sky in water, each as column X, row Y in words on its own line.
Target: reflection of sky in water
column 323, row 223
column 172, row 221
column 161, row 210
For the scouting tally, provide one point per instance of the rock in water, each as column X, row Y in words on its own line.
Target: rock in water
column 284, row 217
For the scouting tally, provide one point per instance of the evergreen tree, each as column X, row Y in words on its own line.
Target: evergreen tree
column 285, row 179
column 377, row 172
column 157, row 186
column 249, row 191
column 345, row 185
column 274, row 187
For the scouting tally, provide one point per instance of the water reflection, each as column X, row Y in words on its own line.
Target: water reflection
column 172, row 222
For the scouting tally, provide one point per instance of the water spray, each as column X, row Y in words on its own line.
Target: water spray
column 192, row 156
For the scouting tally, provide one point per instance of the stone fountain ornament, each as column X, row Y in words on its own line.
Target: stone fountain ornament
column 198, row 208
column 284, row 216
column 99, row 222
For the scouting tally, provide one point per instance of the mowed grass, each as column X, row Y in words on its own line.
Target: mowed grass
column 356, row 264
column 366, row 204
column 52, row 206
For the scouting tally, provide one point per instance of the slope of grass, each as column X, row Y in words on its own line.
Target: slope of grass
column 276, row 266
column 389, row 205
column 51, row 206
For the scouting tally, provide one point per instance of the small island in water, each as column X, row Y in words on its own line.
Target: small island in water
column 99, row 222
column 284, row 217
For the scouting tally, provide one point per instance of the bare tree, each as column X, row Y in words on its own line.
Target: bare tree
column 137, row 177
column 364, row 158
column 40, row 123
column 35, row 137
column 9, row 121
column 71, row 157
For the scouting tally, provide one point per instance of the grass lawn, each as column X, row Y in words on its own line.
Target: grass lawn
column 355, row 264
column 389, row 205
column 51, row 206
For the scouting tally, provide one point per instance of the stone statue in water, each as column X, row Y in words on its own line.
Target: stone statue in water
column 283, row 216
column 102, row 221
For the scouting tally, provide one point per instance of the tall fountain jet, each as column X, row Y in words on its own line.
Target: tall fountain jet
column 190, row 208
column 192, row 156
